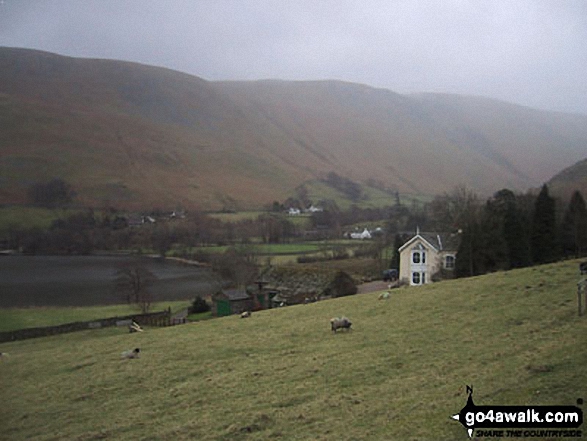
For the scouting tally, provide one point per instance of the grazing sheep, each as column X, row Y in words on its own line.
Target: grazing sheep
column 340, row 323
column 384, row 295
column 131, row 354
column 246, row 314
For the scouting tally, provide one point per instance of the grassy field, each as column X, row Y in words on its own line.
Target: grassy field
column 373, row 198
column 29, row 217
column 275, row 249
column 399, row 375
column 237, row 216
column 19, row 318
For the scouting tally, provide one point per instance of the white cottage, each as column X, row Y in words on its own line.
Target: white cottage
column 426, row 255
column 364, row 235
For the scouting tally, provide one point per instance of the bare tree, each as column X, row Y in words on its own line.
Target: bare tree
column 239, row 265
column 454, row 210
column 133, row 282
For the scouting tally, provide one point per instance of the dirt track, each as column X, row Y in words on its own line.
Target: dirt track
column 373, row 286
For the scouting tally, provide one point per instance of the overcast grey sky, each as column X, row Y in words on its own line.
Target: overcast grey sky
column 530, row 52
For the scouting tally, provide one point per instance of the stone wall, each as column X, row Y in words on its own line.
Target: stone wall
column 141, row 319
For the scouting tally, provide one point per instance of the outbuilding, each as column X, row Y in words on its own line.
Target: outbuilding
column 231, row 301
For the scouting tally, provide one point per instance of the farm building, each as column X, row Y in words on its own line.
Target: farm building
column 428, row 256
column 235, row 301
column 231, row 301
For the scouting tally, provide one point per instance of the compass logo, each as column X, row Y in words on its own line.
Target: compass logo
column 484, row 420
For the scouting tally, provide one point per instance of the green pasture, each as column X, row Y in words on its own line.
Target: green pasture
column 35, row 317
column 21, row 217
column 200, row 316
column 237, row 216
column 276, row 249
column 282, row 374
column 373, row 197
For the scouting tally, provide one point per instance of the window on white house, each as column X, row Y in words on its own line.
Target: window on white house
column 449, row 262
column 419, row 257
column 418, row 278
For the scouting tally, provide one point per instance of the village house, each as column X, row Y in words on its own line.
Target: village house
column 313, row 209
column 361, row 236
column 427, row 257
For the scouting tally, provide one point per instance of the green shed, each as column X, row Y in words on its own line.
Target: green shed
column 231, row 301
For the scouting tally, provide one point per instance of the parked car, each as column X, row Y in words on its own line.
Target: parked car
column 390, row 275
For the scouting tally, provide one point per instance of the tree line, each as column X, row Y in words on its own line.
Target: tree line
column 506, row 231
column 513, row 231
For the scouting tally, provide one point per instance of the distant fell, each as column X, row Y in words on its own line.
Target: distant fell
column 571, row 179
column 132, row 135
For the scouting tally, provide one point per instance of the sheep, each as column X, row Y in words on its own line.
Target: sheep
column 340, row 323
column 246, row 314
column 131, row 354
column 384, row 295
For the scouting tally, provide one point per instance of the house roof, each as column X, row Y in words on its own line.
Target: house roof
column 437, row 241
column 235, row 294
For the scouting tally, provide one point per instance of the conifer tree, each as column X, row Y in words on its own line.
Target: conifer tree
column 543, row 240
column 397, row 243
column 517, row 238
column 574, row 227
column 467, row 263
column 493, row 248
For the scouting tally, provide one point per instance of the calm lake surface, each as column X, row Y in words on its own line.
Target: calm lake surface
column 90, row 280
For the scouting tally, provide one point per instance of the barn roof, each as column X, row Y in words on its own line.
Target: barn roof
column 235, row 294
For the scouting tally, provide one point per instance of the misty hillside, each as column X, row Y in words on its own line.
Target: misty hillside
column 572, row 178
column 133, row 135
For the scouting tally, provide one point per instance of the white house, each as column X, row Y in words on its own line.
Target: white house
column 294, row 212
column 426, row 255
column 364, row 235
column 313, row 209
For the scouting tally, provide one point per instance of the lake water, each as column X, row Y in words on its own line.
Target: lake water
column 90, row 280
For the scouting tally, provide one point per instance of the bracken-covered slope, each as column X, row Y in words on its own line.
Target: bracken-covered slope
column 139, row 136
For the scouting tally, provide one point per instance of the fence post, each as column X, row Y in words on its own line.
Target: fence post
column 581, row 289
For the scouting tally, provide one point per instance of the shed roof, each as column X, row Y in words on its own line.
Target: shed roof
column 235, row 294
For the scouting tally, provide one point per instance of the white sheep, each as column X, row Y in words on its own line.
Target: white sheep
column 340, row 323
column 130, row 354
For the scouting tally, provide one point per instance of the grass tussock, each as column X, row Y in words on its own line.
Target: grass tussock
column 282, row 374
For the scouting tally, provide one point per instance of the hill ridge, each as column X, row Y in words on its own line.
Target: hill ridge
column 136, row 135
